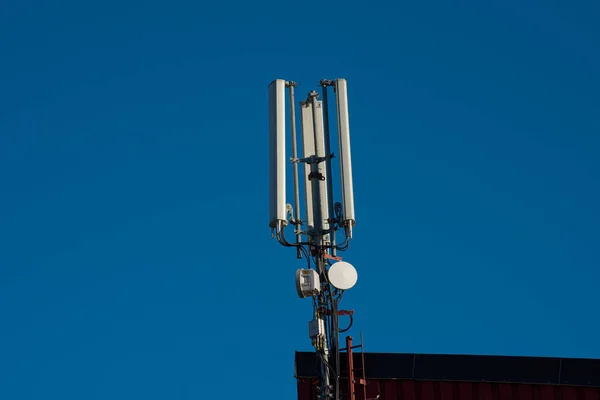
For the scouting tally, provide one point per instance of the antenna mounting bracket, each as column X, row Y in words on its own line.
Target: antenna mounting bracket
column 316, row 175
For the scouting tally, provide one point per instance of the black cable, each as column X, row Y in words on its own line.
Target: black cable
column 344, row 246
column 340, row 246
column 285, row 243
column 306, row 255
column 349, row 325
column 325, row 362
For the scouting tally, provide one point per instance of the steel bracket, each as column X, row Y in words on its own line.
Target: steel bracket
column 312, row 159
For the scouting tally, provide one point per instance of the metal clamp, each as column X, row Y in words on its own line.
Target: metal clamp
column 316, row 175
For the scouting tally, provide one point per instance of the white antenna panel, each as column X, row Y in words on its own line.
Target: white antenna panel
column 320, row 152
column 345, row 154
column 308, row 149
column 277, row 153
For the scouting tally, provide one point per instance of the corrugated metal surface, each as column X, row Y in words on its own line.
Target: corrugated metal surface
column 389, row 389
column 442, row 367
column 457, row 377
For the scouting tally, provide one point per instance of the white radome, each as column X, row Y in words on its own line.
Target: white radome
column 342, row 275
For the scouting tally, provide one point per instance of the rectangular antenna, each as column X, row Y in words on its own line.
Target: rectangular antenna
column 308, row 149
column 277, row 153
column 320, row 152
column 345, row 157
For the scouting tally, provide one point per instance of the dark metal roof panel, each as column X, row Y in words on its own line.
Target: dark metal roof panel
column 434, row 367
column 400, row 389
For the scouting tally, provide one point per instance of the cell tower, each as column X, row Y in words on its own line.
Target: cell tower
column 317, row 231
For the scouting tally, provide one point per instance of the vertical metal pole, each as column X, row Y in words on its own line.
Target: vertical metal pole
column 328, row 164
column 295, row 157
column 325, row 365
column 351, row 393
column 364, row 374
column 318, row 210
column 334, row 344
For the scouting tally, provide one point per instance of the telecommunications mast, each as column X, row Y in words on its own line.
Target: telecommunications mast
column 318, row 229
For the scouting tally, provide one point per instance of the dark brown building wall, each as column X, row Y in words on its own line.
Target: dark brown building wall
column 389, row 389
column 461, row 377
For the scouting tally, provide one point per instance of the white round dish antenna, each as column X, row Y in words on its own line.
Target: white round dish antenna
column 342, row 275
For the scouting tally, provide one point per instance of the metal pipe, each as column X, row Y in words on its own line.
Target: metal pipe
column 351, row 393
column 364, row 374
column 295, row 157
column 319, row 208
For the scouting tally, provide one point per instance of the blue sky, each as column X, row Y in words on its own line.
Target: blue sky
column 136, row 259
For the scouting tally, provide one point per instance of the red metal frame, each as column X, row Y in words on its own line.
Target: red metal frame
column 350, row 368
column 352, row 381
